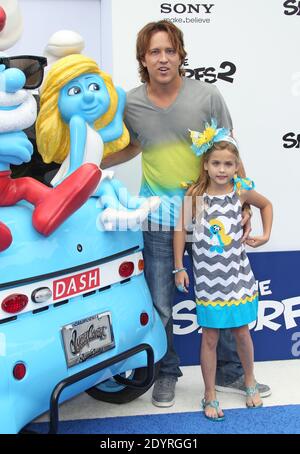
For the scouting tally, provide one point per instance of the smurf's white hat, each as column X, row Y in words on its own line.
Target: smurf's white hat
column 12, row 23
column 63, row 43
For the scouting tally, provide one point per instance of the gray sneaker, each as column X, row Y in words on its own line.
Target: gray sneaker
column 238, row 387
column 163, row 394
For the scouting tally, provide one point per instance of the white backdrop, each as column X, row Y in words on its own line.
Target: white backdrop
column 258, row 40
column 41, row 18
column 261, row 41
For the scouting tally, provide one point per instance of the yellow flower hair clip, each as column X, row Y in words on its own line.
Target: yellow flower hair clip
column 203, row 141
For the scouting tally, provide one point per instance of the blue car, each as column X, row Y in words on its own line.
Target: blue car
column 75, row 315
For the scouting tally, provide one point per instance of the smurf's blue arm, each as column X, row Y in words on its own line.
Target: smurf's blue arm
column 15, row 148
column 77, row 140
column 114, row 129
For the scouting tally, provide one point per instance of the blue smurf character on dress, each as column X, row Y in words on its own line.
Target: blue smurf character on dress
column 80, row 120
column 217, row 243
column 218, row 237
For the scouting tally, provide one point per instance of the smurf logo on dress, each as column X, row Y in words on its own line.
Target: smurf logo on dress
column 219, row 239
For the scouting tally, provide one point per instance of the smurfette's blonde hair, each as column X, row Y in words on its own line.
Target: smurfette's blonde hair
column 52, row 133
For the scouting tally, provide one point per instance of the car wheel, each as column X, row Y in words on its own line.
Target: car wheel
column 115, row 393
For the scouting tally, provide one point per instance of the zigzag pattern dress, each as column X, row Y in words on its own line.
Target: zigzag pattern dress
column 225, row 288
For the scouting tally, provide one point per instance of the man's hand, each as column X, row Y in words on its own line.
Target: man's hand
column 246, row 223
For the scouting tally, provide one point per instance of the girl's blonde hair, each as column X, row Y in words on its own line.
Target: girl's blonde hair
column 201, row 185
column 52, row 133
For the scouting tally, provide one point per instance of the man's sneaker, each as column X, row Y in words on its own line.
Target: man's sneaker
column 163, row 394
column 238, row 387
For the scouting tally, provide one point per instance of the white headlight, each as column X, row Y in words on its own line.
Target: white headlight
column 41, row 295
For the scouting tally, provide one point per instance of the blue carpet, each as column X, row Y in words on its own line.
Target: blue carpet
column 266, row 420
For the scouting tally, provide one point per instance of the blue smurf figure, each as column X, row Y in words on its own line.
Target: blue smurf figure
column 18, row 112
column 80, row 120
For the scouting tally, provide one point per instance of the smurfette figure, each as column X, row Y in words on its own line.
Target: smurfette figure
column 80, row 120
column 18, row 112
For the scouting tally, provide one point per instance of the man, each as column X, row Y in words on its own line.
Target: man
column 159, row 115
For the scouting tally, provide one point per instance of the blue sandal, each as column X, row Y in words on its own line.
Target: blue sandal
column 250, row 392
column 213, row 404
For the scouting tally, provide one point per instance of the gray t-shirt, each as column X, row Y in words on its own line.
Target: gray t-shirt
column 167, row 160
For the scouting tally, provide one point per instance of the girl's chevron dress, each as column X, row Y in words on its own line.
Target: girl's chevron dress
column 225, row 288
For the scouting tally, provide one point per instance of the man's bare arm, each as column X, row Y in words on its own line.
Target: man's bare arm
column 128, row 153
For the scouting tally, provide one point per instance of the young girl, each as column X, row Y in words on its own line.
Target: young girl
column 225, row 288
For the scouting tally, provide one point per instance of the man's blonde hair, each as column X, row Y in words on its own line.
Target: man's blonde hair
column 52, row 133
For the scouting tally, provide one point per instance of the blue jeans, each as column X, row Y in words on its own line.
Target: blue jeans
column 159, row 263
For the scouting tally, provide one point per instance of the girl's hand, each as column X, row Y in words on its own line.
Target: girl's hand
column 182, row 281
column 256, row 241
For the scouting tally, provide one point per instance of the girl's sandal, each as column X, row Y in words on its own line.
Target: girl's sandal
column 250, row 392
column 213, row 404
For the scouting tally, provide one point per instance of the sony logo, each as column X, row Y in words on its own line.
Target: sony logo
column 188, row 8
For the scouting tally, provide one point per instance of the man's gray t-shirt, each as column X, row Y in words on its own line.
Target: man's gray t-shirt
column 168, row 162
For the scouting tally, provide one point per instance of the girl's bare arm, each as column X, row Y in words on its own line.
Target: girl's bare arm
column 266, row 211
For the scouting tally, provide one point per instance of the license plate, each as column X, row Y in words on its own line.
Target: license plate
column 87, row 338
